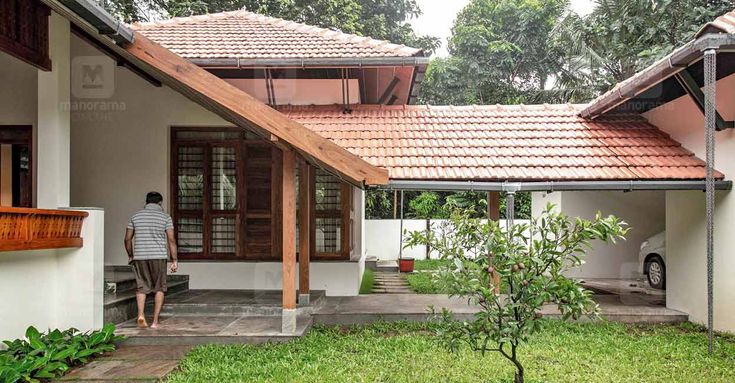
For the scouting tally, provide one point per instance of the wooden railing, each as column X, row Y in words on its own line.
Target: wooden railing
column 35, row 229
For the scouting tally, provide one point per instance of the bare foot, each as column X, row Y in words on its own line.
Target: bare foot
column 154, row 325
column 142, row 323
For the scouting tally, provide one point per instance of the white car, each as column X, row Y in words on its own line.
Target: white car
column 652, row 260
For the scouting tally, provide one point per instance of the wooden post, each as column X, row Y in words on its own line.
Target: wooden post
column 493, row 206
column 305, row 197
column 493, row 213
column 288, row 196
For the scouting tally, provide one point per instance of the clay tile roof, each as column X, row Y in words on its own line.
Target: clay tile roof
column 498, row 143
column 246, row 35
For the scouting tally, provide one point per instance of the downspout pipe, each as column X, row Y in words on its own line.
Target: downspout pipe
column 327, row 62
column 677, row 61
column 98, row 17
column 552, row 186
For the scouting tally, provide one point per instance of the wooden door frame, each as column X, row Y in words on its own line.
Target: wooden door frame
column 22, row 135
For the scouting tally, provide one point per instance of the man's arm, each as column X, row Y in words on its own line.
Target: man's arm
column 129, row 233
column 170, row 238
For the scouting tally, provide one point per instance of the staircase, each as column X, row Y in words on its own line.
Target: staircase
column 390, row 282
column 119, row 298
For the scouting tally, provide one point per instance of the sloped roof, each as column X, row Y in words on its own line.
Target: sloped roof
column 498, row 143
column 246, row 35
column 722, row 24
column 661, row 70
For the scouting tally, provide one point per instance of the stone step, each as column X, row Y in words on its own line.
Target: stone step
column 219, row 330
column 389, row 266
column 186, row 307
column 121, row 306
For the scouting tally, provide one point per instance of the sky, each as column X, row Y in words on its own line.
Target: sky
column 438, row 17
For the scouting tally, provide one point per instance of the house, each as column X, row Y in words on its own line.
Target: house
column 262, row 134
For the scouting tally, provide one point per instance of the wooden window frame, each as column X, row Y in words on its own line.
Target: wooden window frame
column 345, row 216
column 345, row 212
column 207, row 214
column 26, row 36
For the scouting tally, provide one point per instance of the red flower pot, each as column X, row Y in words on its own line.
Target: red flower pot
column 405, row 265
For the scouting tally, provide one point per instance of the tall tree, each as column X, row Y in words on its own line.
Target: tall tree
column 621, row 37
column 501, row 52
column 379, row 19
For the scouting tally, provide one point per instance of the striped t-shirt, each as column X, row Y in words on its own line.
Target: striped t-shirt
column 149, row 239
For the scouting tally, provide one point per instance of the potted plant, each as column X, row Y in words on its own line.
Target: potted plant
column 405, row 265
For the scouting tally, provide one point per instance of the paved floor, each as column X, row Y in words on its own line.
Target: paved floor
column 192, row 330
column 415, row 307
column 131, row 364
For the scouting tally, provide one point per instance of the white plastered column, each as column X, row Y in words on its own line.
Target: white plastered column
column 52, row 136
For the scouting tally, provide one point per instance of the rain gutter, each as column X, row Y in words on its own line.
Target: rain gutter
column 552, row 186
column 365, row 62
column 97, row 17
column 675, row 62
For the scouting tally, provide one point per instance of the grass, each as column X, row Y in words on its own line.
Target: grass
column 422, row 281
column 562, row 352
column 368, row 281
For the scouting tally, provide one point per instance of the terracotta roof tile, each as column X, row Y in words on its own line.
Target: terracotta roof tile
column 246, row 35
column 542, row 142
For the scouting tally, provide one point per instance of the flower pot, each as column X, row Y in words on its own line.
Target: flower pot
column 405, row 265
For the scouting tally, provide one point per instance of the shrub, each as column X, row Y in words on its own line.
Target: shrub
column 511, row 273
column 50, row 355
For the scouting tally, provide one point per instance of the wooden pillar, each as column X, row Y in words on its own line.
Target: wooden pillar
column 288, row 196
column 493, row 205
column 305, row 197
column 493, row 213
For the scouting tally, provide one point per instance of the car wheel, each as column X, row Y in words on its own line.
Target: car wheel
column 656, row 272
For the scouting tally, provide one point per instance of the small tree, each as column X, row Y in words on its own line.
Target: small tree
column 511, row 273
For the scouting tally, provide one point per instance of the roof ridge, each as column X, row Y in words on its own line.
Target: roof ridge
column 187, row 19
column 336, row 35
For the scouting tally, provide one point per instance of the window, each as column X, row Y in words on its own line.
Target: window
column 227, row 203
column 333, row 200
column 208, row 208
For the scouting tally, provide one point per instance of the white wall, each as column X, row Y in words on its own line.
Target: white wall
column 54, row 288
column 685, row 234
column 643, row 211
column 299, row 91
column 383, row 240
column 120, row 155
column 336, row 278
column 18, row 107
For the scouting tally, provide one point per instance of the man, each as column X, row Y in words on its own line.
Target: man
column 149, row 241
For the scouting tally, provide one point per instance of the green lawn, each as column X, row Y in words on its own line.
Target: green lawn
column 591, row 352
column 421, row 280
column 368, row 281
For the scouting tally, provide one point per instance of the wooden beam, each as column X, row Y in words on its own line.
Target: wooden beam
column 245, row 111
column 493, row 213
column 305, row 198
column 389, row 90
column 288, row 194
column 687, row 81
column 121, row 61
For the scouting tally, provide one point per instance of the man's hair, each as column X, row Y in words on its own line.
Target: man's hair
column 153, row 197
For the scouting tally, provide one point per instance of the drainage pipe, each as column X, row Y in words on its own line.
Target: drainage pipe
column 552, row 186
